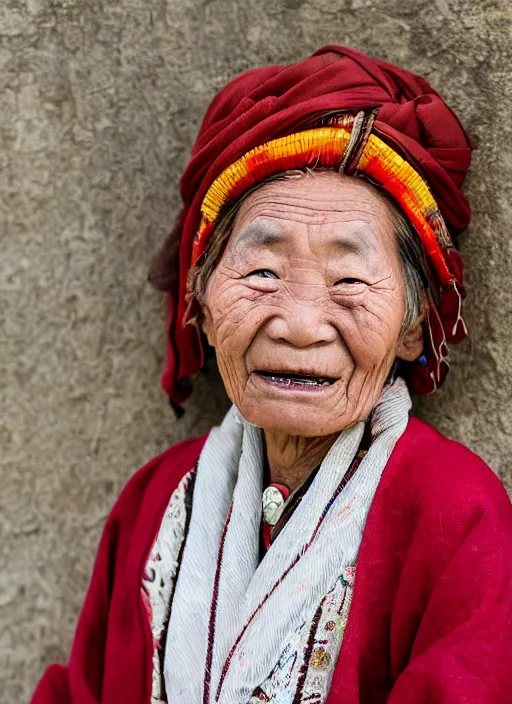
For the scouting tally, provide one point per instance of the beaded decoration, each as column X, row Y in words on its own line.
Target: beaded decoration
column 325, row 147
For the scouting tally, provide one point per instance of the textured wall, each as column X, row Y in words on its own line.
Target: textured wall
column 99, row 104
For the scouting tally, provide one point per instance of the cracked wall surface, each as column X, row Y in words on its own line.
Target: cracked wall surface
column 100, row 101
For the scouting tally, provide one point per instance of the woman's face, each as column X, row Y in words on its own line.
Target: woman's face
column 305, row 307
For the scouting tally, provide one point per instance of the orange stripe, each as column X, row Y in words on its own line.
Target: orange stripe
column 325, row 147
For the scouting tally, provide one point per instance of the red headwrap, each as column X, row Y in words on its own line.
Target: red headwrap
column 272, row 101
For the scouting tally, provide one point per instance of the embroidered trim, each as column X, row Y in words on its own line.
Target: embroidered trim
column 348, row 475
column 305, row 669
column 159, row 576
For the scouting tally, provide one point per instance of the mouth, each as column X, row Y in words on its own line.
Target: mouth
column 295, row 381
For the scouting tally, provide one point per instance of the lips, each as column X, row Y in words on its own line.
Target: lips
column 293, row 380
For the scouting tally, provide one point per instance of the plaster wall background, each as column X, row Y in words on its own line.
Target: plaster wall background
column 100, row 101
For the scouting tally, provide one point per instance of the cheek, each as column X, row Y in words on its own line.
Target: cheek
column 235, row 313
column 371, row 327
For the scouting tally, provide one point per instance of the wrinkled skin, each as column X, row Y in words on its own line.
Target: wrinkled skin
column 310, row 283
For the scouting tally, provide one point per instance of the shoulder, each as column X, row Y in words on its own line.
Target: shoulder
column 152, row 485
column 437, row 499
column 439, row 477
column 135, row 518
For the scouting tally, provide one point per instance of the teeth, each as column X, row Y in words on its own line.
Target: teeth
column 297, row 380
column 288, row 381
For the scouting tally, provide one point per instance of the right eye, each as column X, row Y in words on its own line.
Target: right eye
column 263, row 273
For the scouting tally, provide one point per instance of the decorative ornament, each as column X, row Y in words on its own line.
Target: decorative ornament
column 273, row 501
column 320, row 659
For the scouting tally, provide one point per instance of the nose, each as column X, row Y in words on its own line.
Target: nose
column 302, row 324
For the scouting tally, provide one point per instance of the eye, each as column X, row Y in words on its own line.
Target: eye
column 263, row 274
column 349, row 280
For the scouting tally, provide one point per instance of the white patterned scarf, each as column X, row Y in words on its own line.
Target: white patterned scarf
column 232, row 614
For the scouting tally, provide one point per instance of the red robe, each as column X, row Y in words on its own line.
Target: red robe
column 431, row 616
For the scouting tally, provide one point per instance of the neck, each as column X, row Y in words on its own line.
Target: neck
column 292, row 458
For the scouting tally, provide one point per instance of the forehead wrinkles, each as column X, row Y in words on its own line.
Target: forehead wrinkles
column 306, row 200
column 335, row 211
column 307, row 216
column 344, row 233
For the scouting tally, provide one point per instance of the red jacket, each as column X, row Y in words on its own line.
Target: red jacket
column 431, row 617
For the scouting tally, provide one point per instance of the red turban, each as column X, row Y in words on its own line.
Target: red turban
column 274, row 101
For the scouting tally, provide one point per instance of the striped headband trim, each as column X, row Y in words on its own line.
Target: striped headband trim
column 325, row 147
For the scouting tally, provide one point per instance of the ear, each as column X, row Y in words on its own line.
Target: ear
column 411, row 344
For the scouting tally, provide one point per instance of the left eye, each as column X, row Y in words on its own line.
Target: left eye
column 349, row 281
column 263, row 273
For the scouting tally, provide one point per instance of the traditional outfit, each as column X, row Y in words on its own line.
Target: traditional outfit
column 431, row 591
column 391, row 578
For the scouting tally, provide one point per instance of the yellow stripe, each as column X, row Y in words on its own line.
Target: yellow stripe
column 291, row 145
column 417, row 197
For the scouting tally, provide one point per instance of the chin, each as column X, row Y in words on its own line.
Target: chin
column 293, row 418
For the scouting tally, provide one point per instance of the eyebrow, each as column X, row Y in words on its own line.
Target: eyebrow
column 259, row 234
column 354, row 242
column 265, row 234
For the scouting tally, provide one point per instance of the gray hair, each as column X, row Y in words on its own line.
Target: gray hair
column 416, row 277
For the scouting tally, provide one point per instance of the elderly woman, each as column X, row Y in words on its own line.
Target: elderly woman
column 320, row 545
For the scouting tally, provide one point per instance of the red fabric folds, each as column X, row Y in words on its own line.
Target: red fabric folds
column 272, row 101
column 431, row 616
